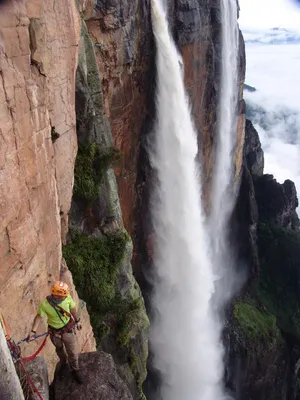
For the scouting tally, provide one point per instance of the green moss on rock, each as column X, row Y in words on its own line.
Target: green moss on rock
column 272, row 303
column 256, row 323
column 90, row 166
column 134, row 321
column 277, row 287
column 94, row 263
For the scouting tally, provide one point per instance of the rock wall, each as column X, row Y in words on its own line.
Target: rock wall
column 9, row 385
column 99, row 250
column 115, row 84
column 262, row 333
column 38, row 60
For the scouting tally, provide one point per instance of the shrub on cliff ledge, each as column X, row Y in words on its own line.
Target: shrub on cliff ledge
column 90, row 166
column 94, row 263
column 255, row 323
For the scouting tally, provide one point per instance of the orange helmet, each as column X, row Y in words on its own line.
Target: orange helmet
column 60, row 289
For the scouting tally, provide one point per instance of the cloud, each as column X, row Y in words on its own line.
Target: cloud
column 274, row 108
column 273, row 36
column 267, row 14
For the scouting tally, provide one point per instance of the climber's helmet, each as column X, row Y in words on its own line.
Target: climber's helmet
column 60, row 289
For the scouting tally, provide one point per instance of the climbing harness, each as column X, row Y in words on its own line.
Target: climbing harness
column 59, row 310
column 26, row 381
column 69, row 327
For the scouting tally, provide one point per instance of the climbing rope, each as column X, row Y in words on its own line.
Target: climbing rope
column 26, row 381
column 26, row 359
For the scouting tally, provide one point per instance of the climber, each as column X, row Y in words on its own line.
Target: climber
column 61, row 313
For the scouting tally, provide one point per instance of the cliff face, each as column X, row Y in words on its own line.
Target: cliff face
column 121, row 34
column 125, row 55
column 96, row 77
column 99, row 250
column 38, row 59
column 262, row 333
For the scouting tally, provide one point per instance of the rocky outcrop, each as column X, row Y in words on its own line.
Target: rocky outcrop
column 121, row 33
column 9, row 384
column 38, row 145
column 101, row 381
column 277, row 203
column 38, row 371
column 262, row 334
column 99, row 250
column 253, row 151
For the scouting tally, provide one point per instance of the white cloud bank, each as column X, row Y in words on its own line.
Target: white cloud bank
column 266, row 14
column 274, row 70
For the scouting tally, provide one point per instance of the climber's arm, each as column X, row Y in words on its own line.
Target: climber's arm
column 35, row 325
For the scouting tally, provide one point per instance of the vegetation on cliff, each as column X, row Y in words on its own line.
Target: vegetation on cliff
column 278, row 283
column 275, row 290
column 91, row 164
column 255, row 323
column 96, row 263
column 264, row 326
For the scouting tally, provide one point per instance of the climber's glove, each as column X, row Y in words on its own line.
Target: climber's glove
column 31, row 336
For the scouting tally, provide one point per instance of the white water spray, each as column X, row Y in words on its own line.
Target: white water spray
column 185, row 335
column 224, row 188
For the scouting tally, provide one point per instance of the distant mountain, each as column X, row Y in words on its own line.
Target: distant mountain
column 273, row 36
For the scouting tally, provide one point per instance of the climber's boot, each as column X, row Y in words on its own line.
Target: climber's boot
column 62, row 370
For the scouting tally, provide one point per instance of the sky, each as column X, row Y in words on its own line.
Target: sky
column 273, row 69
column 265, row 14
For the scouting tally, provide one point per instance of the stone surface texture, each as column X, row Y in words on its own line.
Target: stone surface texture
column 101, row 381
column 38, row 60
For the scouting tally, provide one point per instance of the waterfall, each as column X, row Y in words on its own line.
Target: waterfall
column 185, row 334
column 224, row 188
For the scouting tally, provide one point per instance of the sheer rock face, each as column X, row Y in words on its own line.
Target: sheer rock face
column 38, row 60
column 125, row 51
column 253, row 151
column 257, row 366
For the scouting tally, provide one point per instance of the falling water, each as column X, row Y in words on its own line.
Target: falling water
column 224, row 188
column 185, row 334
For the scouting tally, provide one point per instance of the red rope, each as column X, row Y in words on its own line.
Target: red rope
column 30, row 381
column 15, row 352
column 29, row 358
